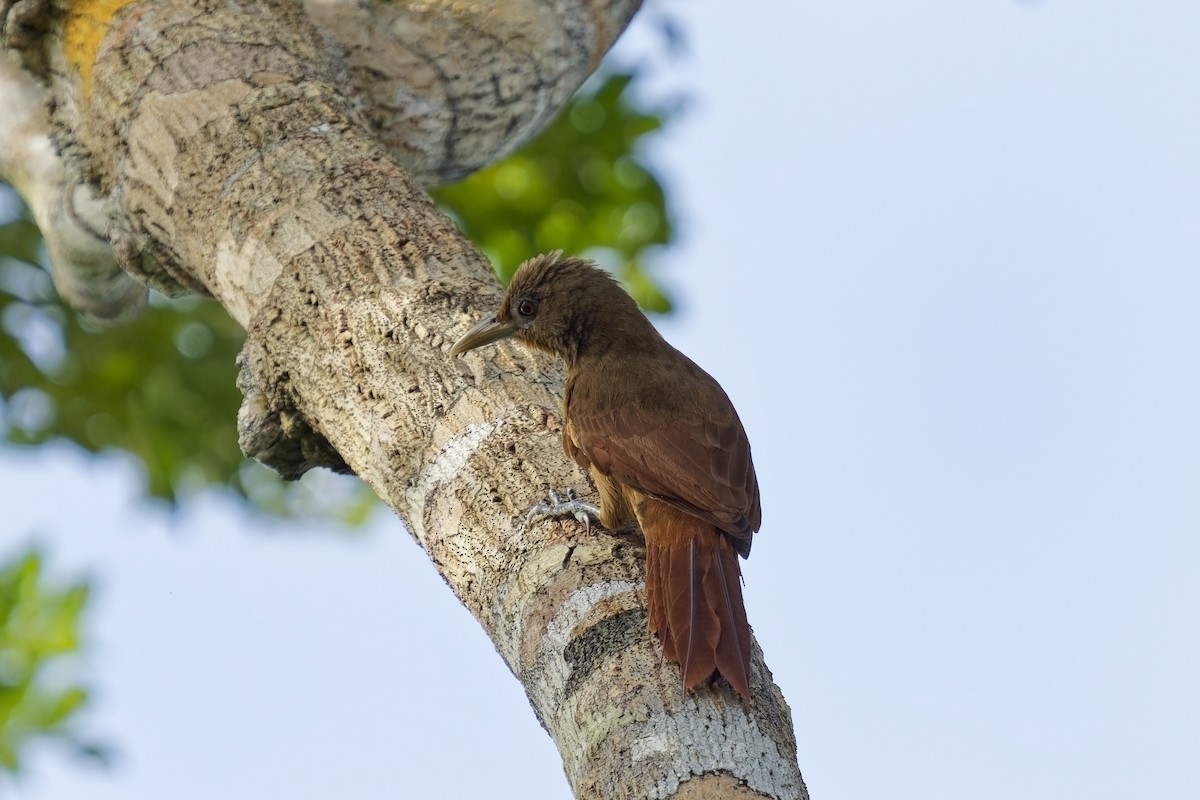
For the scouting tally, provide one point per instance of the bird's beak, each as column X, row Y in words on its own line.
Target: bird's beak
column 487, row 331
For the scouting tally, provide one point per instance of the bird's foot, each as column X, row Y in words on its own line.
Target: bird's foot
column 571, row 507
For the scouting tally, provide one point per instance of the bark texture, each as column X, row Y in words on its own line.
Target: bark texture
column 246, row 164
column 450, row 86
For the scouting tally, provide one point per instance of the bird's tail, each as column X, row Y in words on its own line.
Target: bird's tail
column 694, row 593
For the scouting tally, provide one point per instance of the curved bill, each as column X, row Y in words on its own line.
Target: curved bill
column 487, row 331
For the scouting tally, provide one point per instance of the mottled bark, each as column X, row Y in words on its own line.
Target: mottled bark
column 246, row 164
column 450, row 86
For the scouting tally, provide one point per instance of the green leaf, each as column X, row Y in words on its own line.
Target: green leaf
column 21, row 239
column 39, row 636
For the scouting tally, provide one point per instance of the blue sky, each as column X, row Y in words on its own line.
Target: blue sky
column 944, row 258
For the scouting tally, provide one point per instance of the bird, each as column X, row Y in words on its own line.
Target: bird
column 664, row 446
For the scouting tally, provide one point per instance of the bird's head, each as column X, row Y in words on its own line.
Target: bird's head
column 564, row 305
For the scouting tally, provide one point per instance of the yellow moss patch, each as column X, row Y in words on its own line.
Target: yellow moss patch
column 87, row 23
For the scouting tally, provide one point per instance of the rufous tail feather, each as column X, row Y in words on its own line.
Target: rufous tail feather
column 694, row 594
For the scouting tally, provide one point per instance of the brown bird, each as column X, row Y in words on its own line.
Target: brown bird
column 664, row 446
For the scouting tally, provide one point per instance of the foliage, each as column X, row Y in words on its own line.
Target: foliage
column 162, row 387
column 39, row 643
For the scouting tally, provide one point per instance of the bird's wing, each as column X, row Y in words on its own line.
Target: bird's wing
column 679, row 441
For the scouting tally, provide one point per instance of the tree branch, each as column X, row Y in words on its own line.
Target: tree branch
column 245, row 165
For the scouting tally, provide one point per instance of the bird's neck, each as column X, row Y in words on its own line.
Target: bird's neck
column 625, row 337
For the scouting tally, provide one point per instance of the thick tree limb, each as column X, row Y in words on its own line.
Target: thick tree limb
column 451, row 86
column 245, row 165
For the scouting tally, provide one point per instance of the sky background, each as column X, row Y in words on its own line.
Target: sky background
column 945, row 258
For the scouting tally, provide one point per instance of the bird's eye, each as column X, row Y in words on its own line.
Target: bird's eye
column 527, row 307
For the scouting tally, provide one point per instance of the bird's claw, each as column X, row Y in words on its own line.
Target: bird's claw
column 571, row 507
